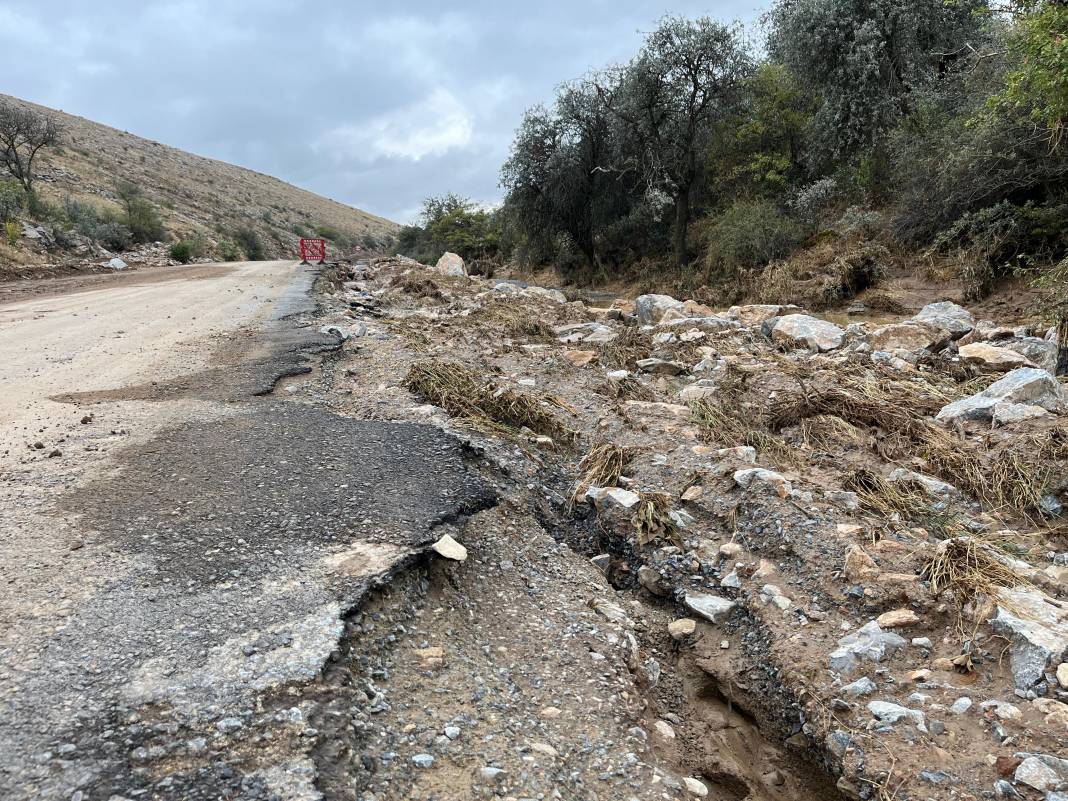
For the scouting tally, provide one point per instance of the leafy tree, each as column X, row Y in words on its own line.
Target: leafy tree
column 23, row 134
column 11, row 200
column 140, row 216
column 1037, row 81
column 687, row 77
column 757, row 151
column 866, row 58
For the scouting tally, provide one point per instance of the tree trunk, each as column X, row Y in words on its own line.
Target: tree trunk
column 682, row 224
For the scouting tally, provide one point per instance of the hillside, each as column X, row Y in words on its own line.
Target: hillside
column 195, row 197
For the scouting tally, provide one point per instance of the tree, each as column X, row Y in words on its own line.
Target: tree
column 140, row 215
column 686, row 78
column 865, row 58
column 23, row 133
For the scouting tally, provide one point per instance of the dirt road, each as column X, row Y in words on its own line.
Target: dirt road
column 180, row 547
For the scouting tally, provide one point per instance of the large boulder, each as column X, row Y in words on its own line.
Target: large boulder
column 651, row 308
column 451, row 264
column 1037, row 631
column 948, row 316
column 992, row 357
column 1040, row 352
column 1028, row 385
column 909, row 335
column 803, row 330
column 757, row 313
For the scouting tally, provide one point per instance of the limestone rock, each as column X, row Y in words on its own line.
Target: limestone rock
column 1043, row 772
column 802, row 330
column 117, row 264
column 758, row 475
column 707, row 606
column 897, row 618
column 681, row 628
column 580, row 358
column 555, row 295
column 695, row 787
column 1028, row 385
column 1037, row 631
column 660, row 367
column 910, row 336
column 757, row 313
column 607, row 497
column 451, row 264
column 929, row 484
column 992, row 357
column 651, row 308
column 1007, row 413
column 869, row 642
column 892, row 713
column 450, row 549
column 1040, row 352
column 948, row 316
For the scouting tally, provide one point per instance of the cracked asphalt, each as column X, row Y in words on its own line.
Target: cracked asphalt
column 180, row 548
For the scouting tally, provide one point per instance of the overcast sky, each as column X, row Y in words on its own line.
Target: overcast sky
column 376, row 104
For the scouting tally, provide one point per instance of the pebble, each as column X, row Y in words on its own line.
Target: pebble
column 452, row 732
column 683, row 627
column 961, row 705
column 695, row 787
column 450, row 549
column 423, row 760
column 897, row 618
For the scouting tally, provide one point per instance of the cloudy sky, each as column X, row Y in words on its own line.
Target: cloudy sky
column 376, row 104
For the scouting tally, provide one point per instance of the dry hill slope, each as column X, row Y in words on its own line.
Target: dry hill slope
column 193, row 194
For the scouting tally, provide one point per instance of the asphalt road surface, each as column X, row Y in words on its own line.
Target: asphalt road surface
column 178, row 545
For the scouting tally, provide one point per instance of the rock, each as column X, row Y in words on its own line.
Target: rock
column 869, row 642
column 336, row 331
column 692, row 493
column 909, row 336
column 1040, row 352
column 423, row 760
column 707, row 606
column 1006, row 413
column 450, row 549
column 649, row 578
column 452, row 732
column 861, row 687
column 490, row 774
column 757, row 475
column 117, row 264
column 740, row 453
column 651, row 308
column 555, row 295
column 601, row 562
column 859, row 566
column 550, row 713
column 1043, row 772
column 431, row 658
column 1062, row 675
column 961, row 705
column 897, row 618
column 757, row 313
column 1028, row 385
column 695, row 787
column 929, row 484
column 948, row 316
column 451, row 264
column 992, row 357
column 580, row 358
column 1037, row 631
column 544, row 748
column 663, row 730
column 917, row 676
column 660, row 367
column 682, row 628
column 601, row 335
column 921, row 642
column 811, row 332
column 732, row 580
column 609, row 497
column 892, row 713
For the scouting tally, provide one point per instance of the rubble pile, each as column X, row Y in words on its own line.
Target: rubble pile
column 857, row 533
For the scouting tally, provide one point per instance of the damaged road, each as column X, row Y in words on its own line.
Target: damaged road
column 180, row 552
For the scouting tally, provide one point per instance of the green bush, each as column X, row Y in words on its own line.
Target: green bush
column 12, row 199
column 12, row 231
column 144, row 222
column 182, row 251
column 227, row 250
column 748, row 233
column 249, row 241
column 113, row 235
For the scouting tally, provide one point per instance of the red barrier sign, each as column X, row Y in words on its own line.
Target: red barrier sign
column 312, row 250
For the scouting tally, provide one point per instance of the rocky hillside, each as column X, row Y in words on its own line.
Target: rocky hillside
column 195, row 197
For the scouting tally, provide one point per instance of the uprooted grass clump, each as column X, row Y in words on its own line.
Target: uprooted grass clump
column 517, row 320
column 628, row 388
column 417, row 287
column 602, row 467
column 970, row 570
column 729, row 425
column 652, row 519
column 477, row 398
column 623, row 352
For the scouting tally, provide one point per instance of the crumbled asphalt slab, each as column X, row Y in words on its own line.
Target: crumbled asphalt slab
column 238, row 543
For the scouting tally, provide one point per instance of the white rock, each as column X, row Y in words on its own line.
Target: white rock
column 607, row 497
column 650, row 308
column 869, row 642
column 1007, row 413
column 681, row 628
column 663, row 730
column 758, row 475
column 707, row 606
column 450, row 549
column 695, row 787
column 1041, row 352
column 554, row 295
column 992, row 357
column 961, row 705
column 1043, row 772
column 860, row 687
column 451, row 264
column 811, row 332
column 1037, row 631
column 892, row 713
column 1028, row 385
column 1062, row 675
column 930, row 484
column 947, row 315
column 117, row 264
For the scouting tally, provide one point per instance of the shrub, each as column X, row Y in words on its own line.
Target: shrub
column 144, row 223
column 748, row 233
column 113, row 235
column 227, row 250
column 12, row 231
column 182, row 251
column 12, row 199
column 249, row 242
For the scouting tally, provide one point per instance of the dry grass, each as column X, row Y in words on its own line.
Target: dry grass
column 628, row 388
column 970, row 569
column 884, row 301
column 732, row 425
column 417, row 287
column 623, row 352
column 464, row 393
column 604, row 464
column 828, row 432
column 517, row 320
column 652, row 519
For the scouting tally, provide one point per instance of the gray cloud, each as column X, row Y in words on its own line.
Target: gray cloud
column 375, row 104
